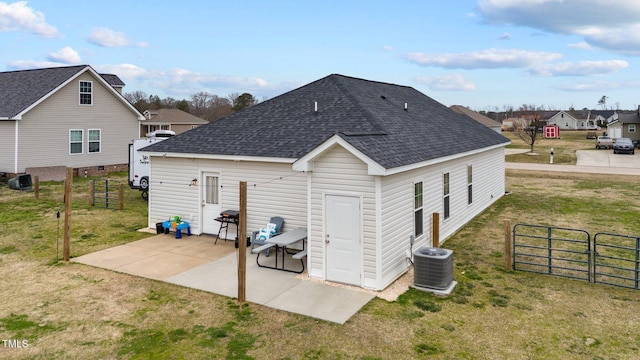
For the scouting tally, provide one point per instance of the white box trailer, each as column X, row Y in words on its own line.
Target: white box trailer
column 139, row 162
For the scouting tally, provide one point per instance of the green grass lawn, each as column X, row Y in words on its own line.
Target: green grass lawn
column 68, row 310
column 564, row 149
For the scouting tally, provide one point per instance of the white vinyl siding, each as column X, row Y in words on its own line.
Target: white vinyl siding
column 272, row 190
column 44, row 130
column 398, row 204
column 8, row 130
column 339, row 172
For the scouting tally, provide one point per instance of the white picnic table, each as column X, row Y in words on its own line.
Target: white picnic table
column 283, row 241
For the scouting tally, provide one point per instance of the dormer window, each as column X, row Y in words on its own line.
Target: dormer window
column 86, row 93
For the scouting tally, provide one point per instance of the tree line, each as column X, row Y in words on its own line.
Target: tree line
column 203, row 104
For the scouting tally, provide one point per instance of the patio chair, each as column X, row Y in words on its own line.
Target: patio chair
column 274, row 228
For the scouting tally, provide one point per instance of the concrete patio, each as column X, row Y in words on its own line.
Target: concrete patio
column 195, row 262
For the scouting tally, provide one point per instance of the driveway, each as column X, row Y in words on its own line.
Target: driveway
column 588, row 161
column 607, row 158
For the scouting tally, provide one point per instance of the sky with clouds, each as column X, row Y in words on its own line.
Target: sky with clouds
column 484, row 54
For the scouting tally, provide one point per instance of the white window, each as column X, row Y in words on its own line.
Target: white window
column 75, row 141
column 212, row 194
column 417, row 209
column 446, row 200
column 95, row 139
column 469, row 184
column 632, row 128
column 86, row 93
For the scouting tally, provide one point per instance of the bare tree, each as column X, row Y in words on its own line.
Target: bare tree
column 603, row 101
column 529, row 124
column 219, row 108
column 199, row 104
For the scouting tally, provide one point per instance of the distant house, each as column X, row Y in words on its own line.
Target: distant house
column 175, row 120
column 361, row 164
column 604, row 117
column 64, row 117
column 488, row 122
column 573, row 120
column 627, row 125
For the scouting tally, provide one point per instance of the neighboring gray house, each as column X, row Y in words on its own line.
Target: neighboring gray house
column 627, row 125
column 574, row 120
column 175, row 120
column 64, row 117
column 488, row 122
column 359, row 163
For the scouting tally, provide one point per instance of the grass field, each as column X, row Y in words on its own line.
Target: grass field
column 68, row 310
column 564, row 149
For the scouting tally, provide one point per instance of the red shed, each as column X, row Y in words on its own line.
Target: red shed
column 551, row 132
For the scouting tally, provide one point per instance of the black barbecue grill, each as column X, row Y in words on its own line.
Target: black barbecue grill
column 228, row 217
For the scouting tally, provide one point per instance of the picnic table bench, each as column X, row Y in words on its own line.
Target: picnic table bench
column 283, row 241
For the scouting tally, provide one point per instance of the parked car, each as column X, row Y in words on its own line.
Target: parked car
column 623, row 145
column 604, row 142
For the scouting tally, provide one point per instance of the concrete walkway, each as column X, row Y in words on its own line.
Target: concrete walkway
column 195, row 262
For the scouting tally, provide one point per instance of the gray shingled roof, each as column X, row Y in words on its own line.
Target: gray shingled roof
column 369, row 115
column 21, row 89
column 628, row 117
column 173, row 116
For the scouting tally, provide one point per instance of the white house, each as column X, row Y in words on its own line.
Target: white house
column 361, row 164
column 64, row 117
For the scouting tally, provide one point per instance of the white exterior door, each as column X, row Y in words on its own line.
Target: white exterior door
column 210, row 202
column 342, row 239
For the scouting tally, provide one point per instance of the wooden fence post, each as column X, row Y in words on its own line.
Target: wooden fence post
column 242, row 244
column 36, row 185
column 66, row 252
column 508, row 261
column 121, row 197
column 92, row 194
column 435, row 229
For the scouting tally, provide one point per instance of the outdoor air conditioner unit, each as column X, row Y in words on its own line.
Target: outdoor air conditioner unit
column 433, row 268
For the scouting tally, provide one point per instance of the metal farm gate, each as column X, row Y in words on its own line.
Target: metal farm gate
column 612, row 259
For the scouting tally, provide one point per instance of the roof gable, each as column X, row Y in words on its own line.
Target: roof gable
column 392, row 125
column 21, row 90
column 475, row 115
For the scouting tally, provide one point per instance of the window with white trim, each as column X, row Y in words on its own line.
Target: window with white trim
column 95, row 140
column 632, row 128
column 86, row 93
column 75, row 141
column 469, row 184
column 418, row 227
column 446, row 200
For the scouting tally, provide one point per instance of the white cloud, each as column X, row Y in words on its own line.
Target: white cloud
column 65, row 55
column 581, row 45
column 582, row 68
column 182, row 82
column 609, row 24
column 110, row 38
column 453, row 82
column 485, row 59
column 30, row 64
column 505, row 36
column 18, row 16
column 600, row 86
